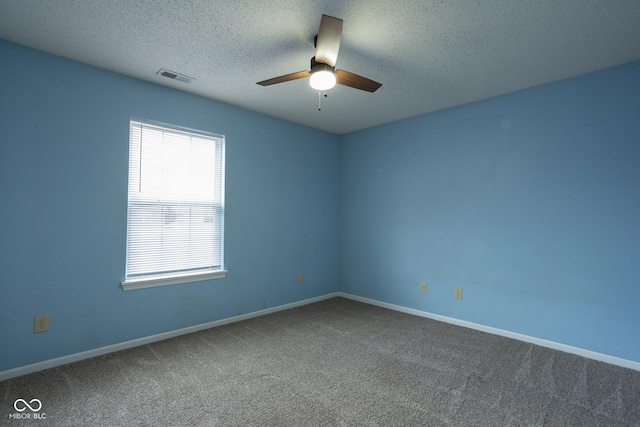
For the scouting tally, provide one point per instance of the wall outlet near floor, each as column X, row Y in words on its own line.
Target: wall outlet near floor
column 423, row 287
column 301, row 279
column 41, row 324
column 458, row 293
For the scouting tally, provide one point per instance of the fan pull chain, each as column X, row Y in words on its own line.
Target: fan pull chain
column 320, row 99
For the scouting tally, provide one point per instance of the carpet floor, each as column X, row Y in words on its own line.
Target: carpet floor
column 337, row 362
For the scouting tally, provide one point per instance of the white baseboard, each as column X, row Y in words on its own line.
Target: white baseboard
column 526, row 338
column 52, row 363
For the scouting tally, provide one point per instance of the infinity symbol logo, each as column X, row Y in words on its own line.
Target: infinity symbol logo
column 26, row 405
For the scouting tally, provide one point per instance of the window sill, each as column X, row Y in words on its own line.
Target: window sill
column 151, row 282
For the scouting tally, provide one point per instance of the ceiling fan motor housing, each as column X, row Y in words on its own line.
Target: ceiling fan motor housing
column 321, row 66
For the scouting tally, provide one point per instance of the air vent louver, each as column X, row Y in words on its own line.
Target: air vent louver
column 174, row 76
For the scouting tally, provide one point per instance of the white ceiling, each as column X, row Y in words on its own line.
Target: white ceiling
column 428, row 54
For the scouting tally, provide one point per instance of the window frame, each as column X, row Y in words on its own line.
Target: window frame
column 154, row 279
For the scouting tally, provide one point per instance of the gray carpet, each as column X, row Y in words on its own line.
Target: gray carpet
column 333, row 363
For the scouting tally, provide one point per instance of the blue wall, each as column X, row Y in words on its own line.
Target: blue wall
column 530, row 202
column 64, row 136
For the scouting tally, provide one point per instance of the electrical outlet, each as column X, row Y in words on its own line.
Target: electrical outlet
column 41, row 324
column 458, row 293
column 301, row 279
column 423, row 286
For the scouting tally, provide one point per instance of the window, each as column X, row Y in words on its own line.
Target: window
column 176, row 206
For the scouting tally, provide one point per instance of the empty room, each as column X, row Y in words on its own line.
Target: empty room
column 320, row 213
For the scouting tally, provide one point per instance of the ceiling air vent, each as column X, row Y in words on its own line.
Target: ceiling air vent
column 174, row 76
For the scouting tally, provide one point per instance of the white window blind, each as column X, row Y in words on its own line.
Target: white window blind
column 176, row 203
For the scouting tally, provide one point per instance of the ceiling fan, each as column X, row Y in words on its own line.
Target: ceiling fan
column 323, row 74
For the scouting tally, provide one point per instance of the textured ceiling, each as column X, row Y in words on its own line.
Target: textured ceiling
column 428, row 54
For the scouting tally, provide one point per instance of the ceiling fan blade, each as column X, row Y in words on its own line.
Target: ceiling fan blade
column 355, row 81
column 328, row 40
column 285, row 78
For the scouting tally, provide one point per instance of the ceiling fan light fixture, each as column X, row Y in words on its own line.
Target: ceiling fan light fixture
column 322, row 77
column 323, row 74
